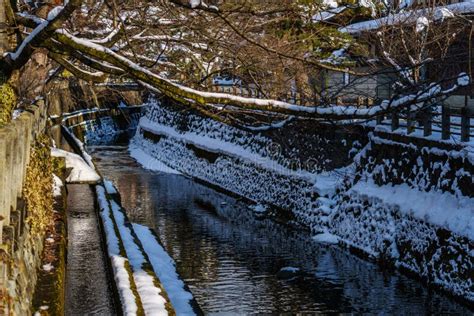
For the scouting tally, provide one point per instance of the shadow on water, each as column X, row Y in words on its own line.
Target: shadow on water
column 231, row 259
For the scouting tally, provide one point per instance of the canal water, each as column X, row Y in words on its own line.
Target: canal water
column 231, row 259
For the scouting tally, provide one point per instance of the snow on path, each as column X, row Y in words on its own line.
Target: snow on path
column 164, row 267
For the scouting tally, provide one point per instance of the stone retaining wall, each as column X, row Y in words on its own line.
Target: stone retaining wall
column 271, row 168
column 19, row 250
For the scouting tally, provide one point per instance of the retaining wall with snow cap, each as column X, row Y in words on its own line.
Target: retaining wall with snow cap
column 407, row 204
column 415, row 201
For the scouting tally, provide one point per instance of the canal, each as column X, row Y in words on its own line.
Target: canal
column 232, row 259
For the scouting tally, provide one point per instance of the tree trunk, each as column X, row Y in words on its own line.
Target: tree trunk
column 3, row 28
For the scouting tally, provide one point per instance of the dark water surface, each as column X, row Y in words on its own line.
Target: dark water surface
column 87, row 287
column 230, row 259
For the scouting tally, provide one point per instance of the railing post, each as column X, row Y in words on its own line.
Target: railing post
column 427, row 122
column 395, row 121
column 379, row 119
column 465, row 122
column 445, row 123
column 410, row 121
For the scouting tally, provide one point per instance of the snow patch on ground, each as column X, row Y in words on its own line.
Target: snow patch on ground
column 48, row 267
column 81, row 171
column 57, row 185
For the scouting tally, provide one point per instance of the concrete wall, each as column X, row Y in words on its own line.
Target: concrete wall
column 19, row 251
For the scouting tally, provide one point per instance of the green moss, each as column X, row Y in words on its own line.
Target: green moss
column 7, row 103
column 38, row 189
column 50, row 288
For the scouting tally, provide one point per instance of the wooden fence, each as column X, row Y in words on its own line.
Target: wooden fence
column 448, row 121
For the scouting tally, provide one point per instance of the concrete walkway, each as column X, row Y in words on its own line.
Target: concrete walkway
column 87, row 288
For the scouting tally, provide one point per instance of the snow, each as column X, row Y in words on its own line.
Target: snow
column 326, row 238
column 57, row 185
column 194, row 3
column 438, row 13
column 422, row 24
column 290, row 269
column 48, row 267
column 165, row 269
column 109, row 187
column 323, row 181
column 148, row 162
column 226, row 81
column 54, row 13
column 332, row 4
column 81, row 172
column 326, row 15
column 122, row 279
column 150, row 294
column 455, row 213
column 120, row 234
column 87, row 157
column 28, row 39
column 464, row 80
column 260, row 208
column 16, row 113
column 42, row 25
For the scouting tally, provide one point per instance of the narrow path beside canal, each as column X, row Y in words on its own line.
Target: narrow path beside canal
column 87, row 287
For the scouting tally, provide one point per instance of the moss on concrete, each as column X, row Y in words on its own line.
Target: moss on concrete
column 50, row 288
column 38, row 191
column 7, row 103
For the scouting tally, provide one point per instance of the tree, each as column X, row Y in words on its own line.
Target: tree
column 177, row 46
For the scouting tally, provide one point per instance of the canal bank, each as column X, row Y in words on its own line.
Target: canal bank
column 343, row 184
column 231, row 257
column 199, row 155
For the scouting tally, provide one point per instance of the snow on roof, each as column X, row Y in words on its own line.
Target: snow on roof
column 438, row 13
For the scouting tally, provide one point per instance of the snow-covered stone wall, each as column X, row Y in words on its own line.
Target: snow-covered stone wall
column 400, row 203
column 102, row 125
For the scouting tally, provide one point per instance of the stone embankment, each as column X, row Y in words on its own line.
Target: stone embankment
column 21, row 244
column 402, row 201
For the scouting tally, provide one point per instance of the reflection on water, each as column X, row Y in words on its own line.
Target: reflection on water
column 230, row 259
column 87, row 287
